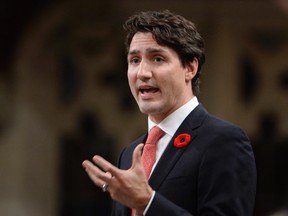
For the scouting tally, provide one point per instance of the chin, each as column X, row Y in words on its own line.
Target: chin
column 150, row 110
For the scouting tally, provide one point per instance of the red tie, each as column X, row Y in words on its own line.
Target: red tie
column 149, row 152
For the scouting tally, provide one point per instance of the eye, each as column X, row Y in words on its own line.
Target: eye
column 134, row 60
column 158, row 59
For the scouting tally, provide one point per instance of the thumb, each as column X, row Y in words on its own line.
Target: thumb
column 137, row 155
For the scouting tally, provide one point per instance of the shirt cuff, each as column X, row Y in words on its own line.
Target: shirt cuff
column 149, row 203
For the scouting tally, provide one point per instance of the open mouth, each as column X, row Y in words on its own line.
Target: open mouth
column 147, row 90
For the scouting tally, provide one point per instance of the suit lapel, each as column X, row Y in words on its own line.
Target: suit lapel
column 171, row 155
column 126, row 157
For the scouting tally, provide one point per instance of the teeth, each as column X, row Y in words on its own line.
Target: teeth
column 148, row 90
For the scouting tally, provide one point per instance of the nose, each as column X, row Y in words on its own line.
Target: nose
column 144, row 71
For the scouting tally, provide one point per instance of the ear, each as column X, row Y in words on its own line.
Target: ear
column 191, row 69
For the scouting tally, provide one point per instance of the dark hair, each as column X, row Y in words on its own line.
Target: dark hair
column 170, row 30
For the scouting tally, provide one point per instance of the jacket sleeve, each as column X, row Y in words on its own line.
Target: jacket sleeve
column 162, row 206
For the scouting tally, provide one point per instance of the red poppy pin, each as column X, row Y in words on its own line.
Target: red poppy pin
column 182, row 140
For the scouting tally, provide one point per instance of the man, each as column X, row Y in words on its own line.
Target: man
column 204, row 165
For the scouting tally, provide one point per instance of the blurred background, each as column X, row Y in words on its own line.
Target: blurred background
column 64, row 95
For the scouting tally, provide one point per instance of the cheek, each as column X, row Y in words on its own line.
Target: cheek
column 174, row 87
column 132, row 81
column 172, row 83
column 130, row 77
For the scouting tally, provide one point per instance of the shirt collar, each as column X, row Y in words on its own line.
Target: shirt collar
column 171, row 123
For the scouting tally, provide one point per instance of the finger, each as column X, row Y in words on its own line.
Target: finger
column 137, row 155
column 106, row 166
column 89, row 166
column 96, row 175
column 107, row 177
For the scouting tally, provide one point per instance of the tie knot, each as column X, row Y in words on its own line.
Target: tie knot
column 154, row 135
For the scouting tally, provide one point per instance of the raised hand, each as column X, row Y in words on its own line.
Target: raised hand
column 129, row 187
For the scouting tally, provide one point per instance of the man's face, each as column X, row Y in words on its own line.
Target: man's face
column 157, row 79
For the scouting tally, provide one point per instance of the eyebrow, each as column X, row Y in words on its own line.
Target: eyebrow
column 149, row 50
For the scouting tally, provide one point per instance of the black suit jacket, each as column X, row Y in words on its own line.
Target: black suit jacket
column 214, row 174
